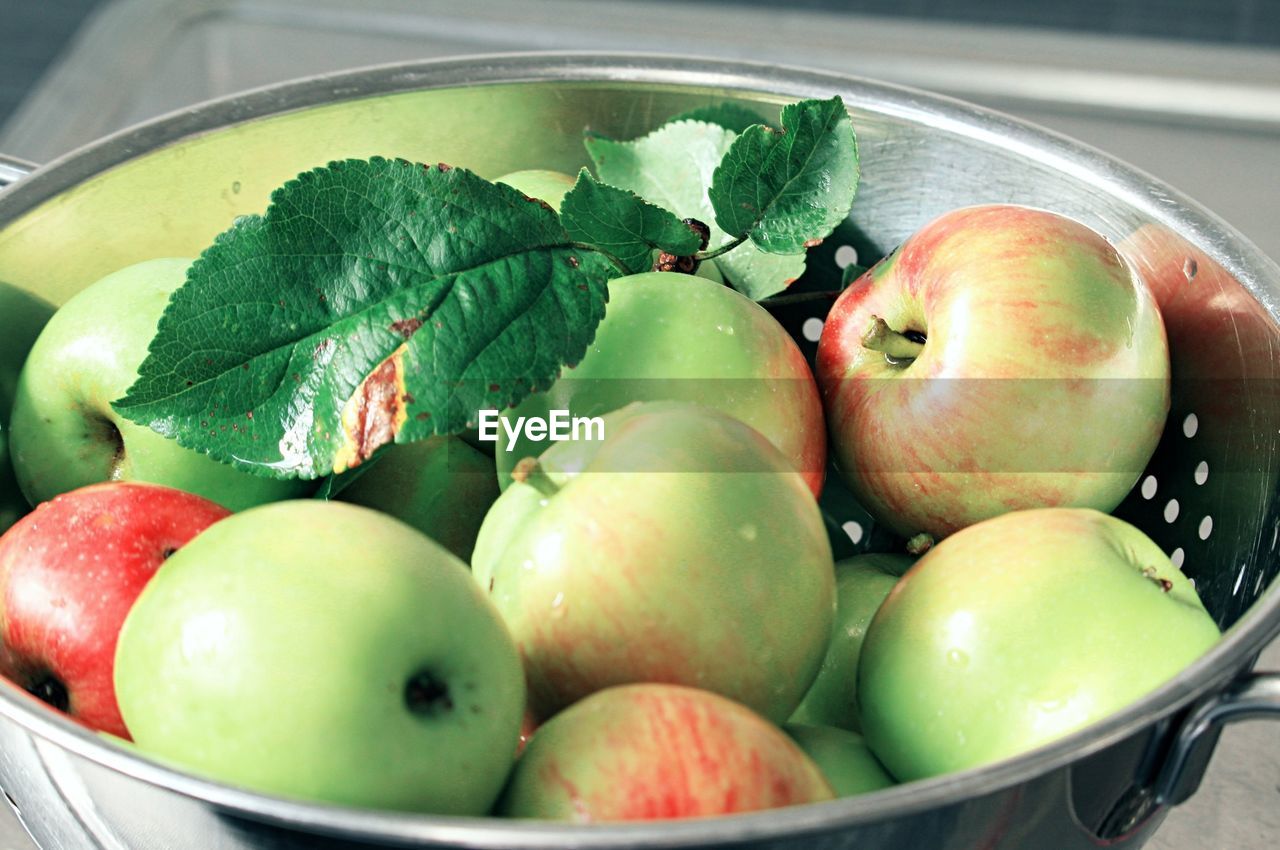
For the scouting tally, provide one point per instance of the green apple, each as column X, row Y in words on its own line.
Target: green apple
column 64, row 433
column 22, row 315
column 843, row 758
column 324, row 651
column 862, row 583
column 681, row 548
column 674, row 337
column 1018, row 630
column 441, row 486
column 653, row 751
column 547, row 186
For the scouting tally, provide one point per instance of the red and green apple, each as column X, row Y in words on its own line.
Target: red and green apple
column 69, row 574
column 1002, row 358
column 653, row 751
column 681, row 548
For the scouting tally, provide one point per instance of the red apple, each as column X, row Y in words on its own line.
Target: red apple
column 1225, row 413
column 650, row 751
column 1003, row 358
column 70, row 572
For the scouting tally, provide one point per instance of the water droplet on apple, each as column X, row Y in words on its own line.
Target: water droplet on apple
column 748, row 532
column 957, row 658
column 558, row 608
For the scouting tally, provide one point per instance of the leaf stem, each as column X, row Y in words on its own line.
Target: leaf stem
column 723, row 249
column 586, row 246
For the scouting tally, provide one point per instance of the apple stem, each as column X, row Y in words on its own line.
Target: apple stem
column 529, row 471
column 920, row 543
column 896, row 346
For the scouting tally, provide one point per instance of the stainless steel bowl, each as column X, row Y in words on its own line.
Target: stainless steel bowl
column 166, row 187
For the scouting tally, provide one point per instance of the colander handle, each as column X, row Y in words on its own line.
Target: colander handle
column 1251, row 696
column 13, row 169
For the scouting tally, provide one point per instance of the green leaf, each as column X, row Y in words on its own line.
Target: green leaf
column 788, row 189
column 335, row 482
column 850, row 273
column 375, row 300
column 729, row 115
column 671, row 167
column 623, row 224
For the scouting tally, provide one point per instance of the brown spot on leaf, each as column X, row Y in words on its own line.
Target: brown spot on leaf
column 812, row 243
column 493, row 388
column 423, row 417
column 406, row 327
column 573, row 261
column 248, row 414
column 321, row 348
column 373, row 415
column 444, row 166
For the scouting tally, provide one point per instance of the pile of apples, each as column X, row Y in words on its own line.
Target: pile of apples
column 645, row 626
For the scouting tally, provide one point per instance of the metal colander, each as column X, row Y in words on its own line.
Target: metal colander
column 1209, row 497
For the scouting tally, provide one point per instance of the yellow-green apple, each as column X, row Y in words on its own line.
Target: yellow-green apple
column 668, row 336
column 862, row 583
column 1002, row 358
column 22, row 315
column 550, row 187
column 1018, row 630
column 681, row 548
column 324, row 651
column 64, row 433
column 654, row 751
column 843, row 758
column 69, row 573
column 441, row 486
